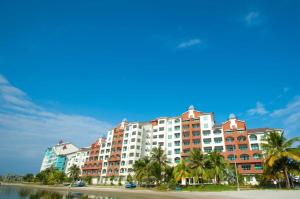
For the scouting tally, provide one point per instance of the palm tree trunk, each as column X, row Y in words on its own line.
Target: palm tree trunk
column 287, row 179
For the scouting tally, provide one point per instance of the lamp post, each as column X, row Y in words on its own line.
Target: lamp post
column 236, row 172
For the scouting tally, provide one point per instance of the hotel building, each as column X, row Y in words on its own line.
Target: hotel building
column 114, row 156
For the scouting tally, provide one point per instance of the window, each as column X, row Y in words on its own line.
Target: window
column 177, row 143
column 130, row 162
column 126, row 135
column 131, row 154
column 186, row 135
column 177, row 160
column 256, row 156
column 154, row 143
column 170, row 122
column 169, row 129
column 154, row 136
column 133, row 140
column 195, row 126
column 177, row 135
column 176, row 128
column 139, row 133
column 177, row 151
column 218, row 140
column 138, row 147
column 207, row 141
column 229, row 139
column 231, row 157
column 253, row 137
column 124, row 155
column 161, row 121
column 244, row 157
column 125, row 148
column 138, row 140
column 243, row 147
column 230, row 147
column 177, row 121
column 134, row 126
column 241, row 138
column 169, row 152
column 254, row 147
column 170, row 144
column 161, row 129
column 228, row 132
column 161, row 144
column 186, row 143
column 161, row 136
column 134, row 133
column 132, row 147
column 207, row 149
column 196, row 133
column 258, row 167
column 205, row 126
column 169, row 136
column 137, row 155
column 217, row 131
column 196, row 142
column 246, row 167
column 219, row 148
column 206, row 132
column 186, row 150
column 125, row 141
column 185, row 127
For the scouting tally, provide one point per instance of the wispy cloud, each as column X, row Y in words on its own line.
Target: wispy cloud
column 26, row 128
column 253, row 18
column 189, row 43
column 258, row 110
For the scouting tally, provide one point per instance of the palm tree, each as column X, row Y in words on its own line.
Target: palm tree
column 198, row 162
column 159, row 162
column 218, row 165
column 74, row 172
column 181, row 171
column 141, row 168
column 278, row 147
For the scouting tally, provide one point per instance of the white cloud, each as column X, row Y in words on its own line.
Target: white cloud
column 258, row 110
column 189, row 43
column 26, row 128
column 253, row 18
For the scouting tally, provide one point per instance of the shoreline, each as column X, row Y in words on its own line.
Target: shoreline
column 144, row 193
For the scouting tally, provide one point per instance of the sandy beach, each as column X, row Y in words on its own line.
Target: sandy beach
column 146, row 194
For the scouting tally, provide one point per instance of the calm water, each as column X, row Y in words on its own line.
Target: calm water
column 11, row 192
column 15, row 192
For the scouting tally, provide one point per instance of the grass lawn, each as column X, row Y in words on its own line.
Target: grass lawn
column 210, row 187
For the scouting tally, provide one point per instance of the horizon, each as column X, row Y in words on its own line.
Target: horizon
column 72, row 70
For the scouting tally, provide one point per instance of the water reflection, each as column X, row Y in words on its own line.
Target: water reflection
column 26, row 193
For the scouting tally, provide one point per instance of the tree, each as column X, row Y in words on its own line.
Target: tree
column 159, row 159
column 181, row 171
column 141, row 168
column 111, row 179
column 278, row 147
column 74, row 172
column 198, row 163
column 218, row 166
column 29, row 177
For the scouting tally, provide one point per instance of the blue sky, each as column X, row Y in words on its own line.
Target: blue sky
column 72, row 69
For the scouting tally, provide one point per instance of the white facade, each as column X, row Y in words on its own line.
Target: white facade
column 76, row 158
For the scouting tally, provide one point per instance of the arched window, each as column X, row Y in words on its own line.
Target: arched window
column 253, row 137
column 231, row 157
column 241, row 138
column 256, row 156
column 244, row 157
column 229, row 139
column 177, row 160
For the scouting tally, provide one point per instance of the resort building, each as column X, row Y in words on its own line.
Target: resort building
column 78, row 158
column 112, row 158
column 56, row 156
